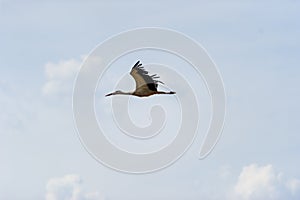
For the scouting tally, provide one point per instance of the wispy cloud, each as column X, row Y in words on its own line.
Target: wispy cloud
column 14, row 114
column 60, row 76
column 69, row 187
column 263, row 182
column 294, row 186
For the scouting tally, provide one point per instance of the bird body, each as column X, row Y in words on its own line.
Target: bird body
column 146, row 85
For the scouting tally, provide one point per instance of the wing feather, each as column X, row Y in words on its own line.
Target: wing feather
column 142, row 78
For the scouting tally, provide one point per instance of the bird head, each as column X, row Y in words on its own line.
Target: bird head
column 113, row 93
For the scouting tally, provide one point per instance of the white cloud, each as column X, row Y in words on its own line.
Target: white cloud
column 60, row 76
column 69, row 187
column 263, row 182
column 256, row 182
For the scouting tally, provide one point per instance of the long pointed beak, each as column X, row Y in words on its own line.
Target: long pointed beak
column 109, row 94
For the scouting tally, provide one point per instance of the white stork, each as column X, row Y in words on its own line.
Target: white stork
column 146, row 85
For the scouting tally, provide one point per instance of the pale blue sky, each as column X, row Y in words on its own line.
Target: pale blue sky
column 256, row 46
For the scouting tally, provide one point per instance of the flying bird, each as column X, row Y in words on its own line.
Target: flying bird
column 146, row 85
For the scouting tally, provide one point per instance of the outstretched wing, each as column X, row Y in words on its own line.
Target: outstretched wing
column 142, row 78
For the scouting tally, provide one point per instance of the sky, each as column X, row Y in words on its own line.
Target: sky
column 255, row 45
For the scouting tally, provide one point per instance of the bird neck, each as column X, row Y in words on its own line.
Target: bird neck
column 124, row 93
column 161, row 92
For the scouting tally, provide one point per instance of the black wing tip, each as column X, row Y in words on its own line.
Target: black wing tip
column 137, row 64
